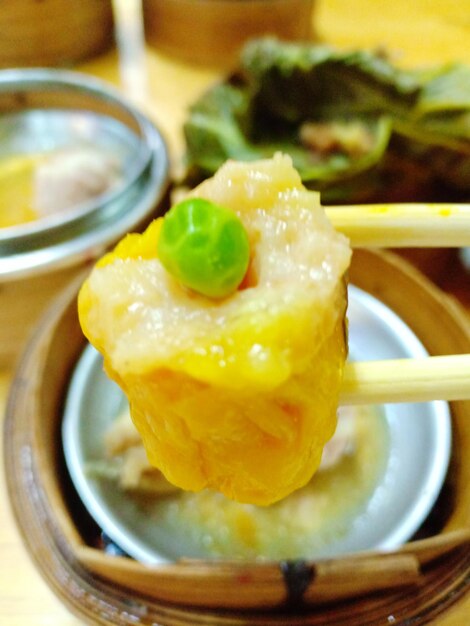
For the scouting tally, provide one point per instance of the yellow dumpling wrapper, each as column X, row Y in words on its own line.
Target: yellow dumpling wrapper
column 237, row 395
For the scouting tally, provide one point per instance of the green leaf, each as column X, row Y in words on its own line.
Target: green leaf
column 282, row 88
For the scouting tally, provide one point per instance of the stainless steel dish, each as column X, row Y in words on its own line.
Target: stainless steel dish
column 417, row 456
column 45, row 109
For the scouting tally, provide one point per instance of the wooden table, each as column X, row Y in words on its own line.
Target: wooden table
column 417, row 32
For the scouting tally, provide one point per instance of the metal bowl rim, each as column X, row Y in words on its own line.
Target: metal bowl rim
column 152, row 170
column 54, row 80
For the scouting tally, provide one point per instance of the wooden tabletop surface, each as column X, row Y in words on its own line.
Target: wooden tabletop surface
column 416, row 32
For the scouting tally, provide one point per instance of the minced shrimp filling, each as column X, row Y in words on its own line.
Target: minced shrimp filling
column 238, row 394
column 148, row 319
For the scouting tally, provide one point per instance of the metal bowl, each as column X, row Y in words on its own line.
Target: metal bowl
column 43, row 110
column 67, row 546
column 398, row 504
column 46, row 109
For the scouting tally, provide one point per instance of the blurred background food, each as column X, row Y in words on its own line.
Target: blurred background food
column 211, row 32
column 359, row 129
column 34, row 186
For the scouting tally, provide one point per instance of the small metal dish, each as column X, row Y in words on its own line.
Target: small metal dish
column 417, row 455
column 42, row 110
column 45, row 110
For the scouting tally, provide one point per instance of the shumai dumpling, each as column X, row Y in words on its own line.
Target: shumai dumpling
column 237, row 394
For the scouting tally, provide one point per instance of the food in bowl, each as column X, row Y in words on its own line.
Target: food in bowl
column 101, row 169
column 237, row 394
column 208, row 524
column 33, row 186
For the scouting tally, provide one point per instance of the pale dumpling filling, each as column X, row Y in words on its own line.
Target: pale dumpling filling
column 237, row 395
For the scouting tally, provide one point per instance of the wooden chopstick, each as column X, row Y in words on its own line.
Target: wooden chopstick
column 403, row 225
column 407, row 380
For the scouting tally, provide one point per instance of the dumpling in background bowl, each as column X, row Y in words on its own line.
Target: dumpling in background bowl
column 73, row 176
column 38, row 185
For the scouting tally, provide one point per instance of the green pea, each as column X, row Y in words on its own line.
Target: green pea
column 205, row 246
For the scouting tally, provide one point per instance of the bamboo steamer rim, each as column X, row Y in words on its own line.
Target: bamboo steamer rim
column 51, row 33
column 219, row 28
column 45, row 510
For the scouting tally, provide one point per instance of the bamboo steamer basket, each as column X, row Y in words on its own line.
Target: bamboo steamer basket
column 53, row 32
column 425, row 580
column 39, row 258
column 211, row 32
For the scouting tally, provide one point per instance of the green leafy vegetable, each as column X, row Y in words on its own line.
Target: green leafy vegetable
column 357, row 127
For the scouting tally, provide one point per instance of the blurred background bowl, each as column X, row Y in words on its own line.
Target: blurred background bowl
column 211, row 32
column 53, row 32
column 49, row 112
column 404, row 480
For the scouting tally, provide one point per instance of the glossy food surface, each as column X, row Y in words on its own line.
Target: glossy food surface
column 238, row 395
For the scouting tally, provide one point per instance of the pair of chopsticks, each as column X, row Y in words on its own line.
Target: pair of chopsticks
column 395, row 226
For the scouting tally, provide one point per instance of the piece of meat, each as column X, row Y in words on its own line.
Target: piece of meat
column 70, row 177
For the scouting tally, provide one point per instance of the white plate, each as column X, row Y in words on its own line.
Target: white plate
column 418, row 451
